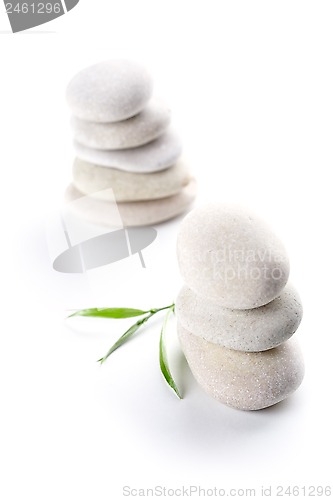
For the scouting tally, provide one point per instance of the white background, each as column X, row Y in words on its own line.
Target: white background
column 251, row 88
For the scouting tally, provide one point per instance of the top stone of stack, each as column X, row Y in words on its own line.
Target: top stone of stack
column 110, row 91
column 231, row 257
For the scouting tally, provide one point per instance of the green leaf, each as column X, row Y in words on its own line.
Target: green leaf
column 129, row 313
column 164, row 365
column 133, row 329
column 115, row 312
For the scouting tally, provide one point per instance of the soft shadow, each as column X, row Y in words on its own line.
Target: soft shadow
column 201, row 423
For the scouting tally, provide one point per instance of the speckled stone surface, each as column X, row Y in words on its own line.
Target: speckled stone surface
column 136, row 213
column 136, row 131
column 231, row 257
column 244, row 380
column 129, row 186
column 109, row 91
column 152, row 157
column 248, row 330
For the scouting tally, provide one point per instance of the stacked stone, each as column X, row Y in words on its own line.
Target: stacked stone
column 236, row 313
column 126, row 152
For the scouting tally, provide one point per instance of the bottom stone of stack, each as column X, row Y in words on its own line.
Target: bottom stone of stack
column 136, row 213
column 244, row 380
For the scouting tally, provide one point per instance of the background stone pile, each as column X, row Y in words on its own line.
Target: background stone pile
column 126, row 152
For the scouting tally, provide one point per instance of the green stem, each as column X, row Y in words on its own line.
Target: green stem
column 133, row 329
column 154, row 311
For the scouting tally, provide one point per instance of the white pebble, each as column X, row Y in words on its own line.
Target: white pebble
column 152, row 157
column 244, row 380
column 248, row 330
column 136, row 131
column 129, row 186
column 109, row 91
column 136, row 213
column 231, row 257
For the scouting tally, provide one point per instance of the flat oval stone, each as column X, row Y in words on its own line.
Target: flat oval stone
column 136, row 131
column 109, row 91
column 136, row 213
column 244, row 380
column 249, row 330
column 231, row 257
column 128, row 186
column 152, row 157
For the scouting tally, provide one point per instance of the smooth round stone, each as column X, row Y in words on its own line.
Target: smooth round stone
column 136, row 131
column 231, row 257
column 109, row 91
column 152, row 157
column 249, row 330
column 136, row 213
column 244, row 380
column 128, row 186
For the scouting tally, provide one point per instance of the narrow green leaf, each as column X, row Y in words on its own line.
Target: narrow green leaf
column 133, row 329
column 114, row 312
column 164, row 365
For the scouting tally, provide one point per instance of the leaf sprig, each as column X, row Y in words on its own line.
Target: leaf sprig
column 122, row 313
column 164, row 365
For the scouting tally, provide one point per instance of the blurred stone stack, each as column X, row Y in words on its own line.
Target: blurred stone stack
column 236, row 313
column 126, row 153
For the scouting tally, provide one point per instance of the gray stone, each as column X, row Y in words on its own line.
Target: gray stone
column 128, row 186
column 109, row 91
column 152, row 157
column 244, row 380
column 231, row 257
column 136, row 131
column 248, row 330
column 136, row 213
